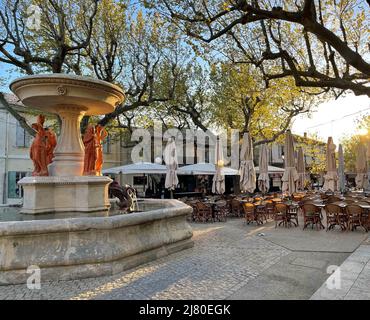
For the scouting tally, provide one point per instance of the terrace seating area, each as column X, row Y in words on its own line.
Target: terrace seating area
column 316, row 210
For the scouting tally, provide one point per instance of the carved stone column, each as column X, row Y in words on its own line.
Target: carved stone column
column 69, row 153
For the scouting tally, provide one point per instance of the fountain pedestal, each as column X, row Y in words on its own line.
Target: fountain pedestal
column 65, row 194
column 69, row 152
column 71, row 97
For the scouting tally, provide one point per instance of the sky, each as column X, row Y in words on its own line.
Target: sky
column 336, row 118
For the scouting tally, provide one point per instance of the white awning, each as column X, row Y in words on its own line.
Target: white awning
column 205, row 169
column 138, row 168
column 272, row 169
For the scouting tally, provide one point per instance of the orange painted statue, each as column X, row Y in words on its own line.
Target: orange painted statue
column 51, row 143
column 38, row 153
column 100, row 135
column 89, row 140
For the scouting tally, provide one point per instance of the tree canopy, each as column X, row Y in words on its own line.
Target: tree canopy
column 320, row 43
column 234, row 64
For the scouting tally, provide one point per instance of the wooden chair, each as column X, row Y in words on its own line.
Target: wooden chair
column 204, row 212
column 280, row 214
column 311, row 216
column 236, row 208
column 293, row 214
column 249, row 212
column 260, row 214
column 221, row 211
column 269, row 208
column 354, row 215
column 335, row 216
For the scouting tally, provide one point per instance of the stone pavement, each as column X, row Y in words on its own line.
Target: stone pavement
column 228, row 261
column 351, row 281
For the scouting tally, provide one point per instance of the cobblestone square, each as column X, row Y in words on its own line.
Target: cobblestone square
column 228, row 261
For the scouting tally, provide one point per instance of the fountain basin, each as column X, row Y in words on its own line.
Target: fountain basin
column 82, row 247
column 49, row 91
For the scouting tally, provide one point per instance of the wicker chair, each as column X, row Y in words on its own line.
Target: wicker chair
column 293, row 214
column 311, row 216
column 249, row 212
column 221, row 210
column 260, row 214
column 204, row 212
column 270, row 208
column 194, row 215
column 355, row 219
column 236, row 208
column 280, row 214
column 334, row 216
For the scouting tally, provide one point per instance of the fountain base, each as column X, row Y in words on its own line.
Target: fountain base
column 83, row 247
column 65, row 194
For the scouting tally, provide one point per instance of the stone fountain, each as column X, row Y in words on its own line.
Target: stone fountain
column 70, row 97
column 90, row 243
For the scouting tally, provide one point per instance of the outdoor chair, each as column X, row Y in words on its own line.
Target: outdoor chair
column 249, row 212
column 260, row 213
column 311, row 216
column 221, row 211
column 236, row 208
column 293, row 214
column 335, row 216
column 269, row 208
column 204, row 212
column 194, row 214
column 280, row 215
column 355, row 217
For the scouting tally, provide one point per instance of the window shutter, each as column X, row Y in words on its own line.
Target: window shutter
column 20, row 136
column 12, row 184
column 106, row 145
column 27, row 139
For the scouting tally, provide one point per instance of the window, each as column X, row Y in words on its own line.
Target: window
column 107, row 145
column 140, row 180
column 22, row 138
column 15, row 190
